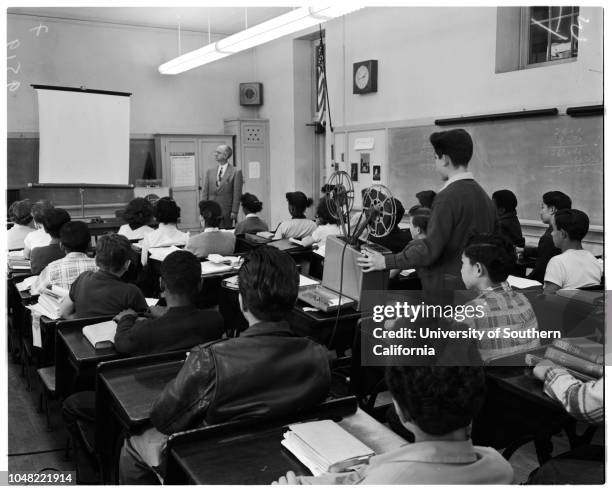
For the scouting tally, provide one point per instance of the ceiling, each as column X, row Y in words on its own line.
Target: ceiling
column 223, row 20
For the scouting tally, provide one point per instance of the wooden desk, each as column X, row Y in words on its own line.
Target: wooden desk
column 76, row 359
column 100, row 228
column 254, row 457
column 320, row 325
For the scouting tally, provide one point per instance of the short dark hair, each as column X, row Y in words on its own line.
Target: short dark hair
column 268, row 282
column 181, row 273
column 420, row 218
column 138, row 212
column 53, row 220
column 112, row 251
column 574, row 222
column 494, row 251
column 210, row 212
column 298, row 202
column 75, row 236
column 456, row 144
column 505, row 199
column 20, row 212
column 557, row 199
column 323, row 211
column 413, row 210
column 166, row 211
column 426, row 198
column 438, row 399
column 39, row 208
column 399, row 211
column 250, row 203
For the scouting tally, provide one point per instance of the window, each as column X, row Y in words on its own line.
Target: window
column 552, row 34
column 529, row 37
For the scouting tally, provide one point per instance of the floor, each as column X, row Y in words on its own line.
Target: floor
column 33, row 447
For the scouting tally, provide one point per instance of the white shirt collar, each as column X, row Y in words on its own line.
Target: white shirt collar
column 211, row 229
column 250, row 215
column 223, row 167
column 457, row 177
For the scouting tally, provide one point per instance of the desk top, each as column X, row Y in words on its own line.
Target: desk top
column 80, row 350
column 261, row 456
column 134, row 389
column 322, row 316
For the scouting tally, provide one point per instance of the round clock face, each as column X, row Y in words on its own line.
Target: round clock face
column 362, row 76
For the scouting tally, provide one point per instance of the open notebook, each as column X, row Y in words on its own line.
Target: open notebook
column 322, row 444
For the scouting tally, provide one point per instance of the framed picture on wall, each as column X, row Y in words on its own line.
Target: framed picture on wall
column 354, row 171
column 364, row 163
column 375, row 173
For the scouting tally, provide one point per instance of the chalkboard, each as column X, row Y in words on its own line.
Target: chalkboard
column 22, row 168
column 529, row 157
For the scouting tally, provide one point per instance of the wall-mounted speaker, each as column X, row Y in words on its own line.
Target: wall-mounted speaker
column 251, row 94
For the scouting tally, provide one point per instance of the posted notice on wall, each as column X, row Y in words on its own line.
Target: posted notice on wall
column 254, row 170
column 183, row 170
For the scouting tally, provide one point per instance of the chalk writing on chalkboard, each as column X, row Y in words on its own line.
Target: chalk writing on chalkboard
column 13, row 65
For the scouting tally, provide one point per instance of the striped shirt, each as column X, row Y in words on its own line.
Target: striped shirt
column 64, row 271
column 582, row 400
column 504, row 308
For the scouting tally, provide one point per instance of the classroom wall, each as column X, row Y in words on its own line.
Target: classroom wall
column 123, row 58
column 440, row 62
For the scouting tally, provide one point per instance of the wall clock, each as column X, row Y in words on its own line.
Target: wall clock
column 365, row 77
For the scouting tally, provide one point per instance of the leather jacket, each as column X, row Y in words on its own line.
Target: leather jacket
column 268, row 371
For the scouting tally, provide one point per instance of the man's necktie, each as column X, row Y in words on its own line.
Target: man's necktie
column 219, row 174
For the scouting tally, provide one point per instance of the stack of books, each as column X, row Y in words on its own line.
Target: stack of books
column 581, row 357
column 323, row 446
column 49, row 302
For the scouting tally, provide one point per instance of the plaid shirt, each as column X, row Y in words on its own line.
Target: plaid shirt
column 503, row 308
column 582, row 400
column 64, row 271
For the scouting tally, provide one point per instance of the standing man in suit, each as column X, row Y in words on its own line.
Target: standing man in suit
column 224, row 186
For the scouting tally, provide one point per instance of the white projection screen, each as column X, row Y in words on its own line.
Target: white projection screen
column 84, row 137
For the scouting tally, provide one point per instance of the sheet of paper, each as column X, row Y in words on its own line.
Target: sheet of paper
column 183, row 170
column 254, row 170
column 210, row 267
column 151, row 301
column 364, row 143
column 26, row 283
column 304, row 281
column 522, row 283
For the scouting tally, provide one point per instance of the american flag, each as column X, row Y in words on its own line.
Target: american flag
column 321, row 85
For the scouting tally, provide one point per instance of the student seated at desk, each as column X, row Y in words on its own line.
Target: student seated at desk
column 179, row 326
column 574, row 267
column 40, row 257
column 74, row 241
column 138, row 215
column 167, row 213
column 298, row 226
column 38, row 237
column 251, row 224
column 20, row 213
column 486, row 263
column 397, row 239
column 327, row 225
column 426, row 198
column 212, row 240
column 508, row 224
column 436, row 404
column 102, row 293
column 266, row 372
column 585, row 402
column 552, row 201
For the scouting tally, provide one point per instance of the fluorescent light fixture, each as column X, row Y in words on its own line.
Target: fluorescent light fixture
column 294, row 21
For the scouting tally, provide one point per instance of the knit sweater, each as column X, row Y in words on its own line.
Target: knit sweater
column 460, row 209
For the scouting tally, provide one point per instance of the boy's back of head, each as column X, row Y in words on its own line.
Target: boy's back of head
column 574, row 222
column 181, row 273
column 39, row 208
column 456, row 144
column 557, row 199
column 426, row 198
column 138, row 212
column 505, row 199
column 112, row 251
column 494, row 252
column 20, row 212
column 420, row 218
column 53, row 219
column 438, row 400
column 268, row 282
column 75, row 236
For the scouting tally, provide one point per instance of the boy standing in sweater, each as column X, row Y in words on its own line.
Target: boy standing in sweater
column 461, row 208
